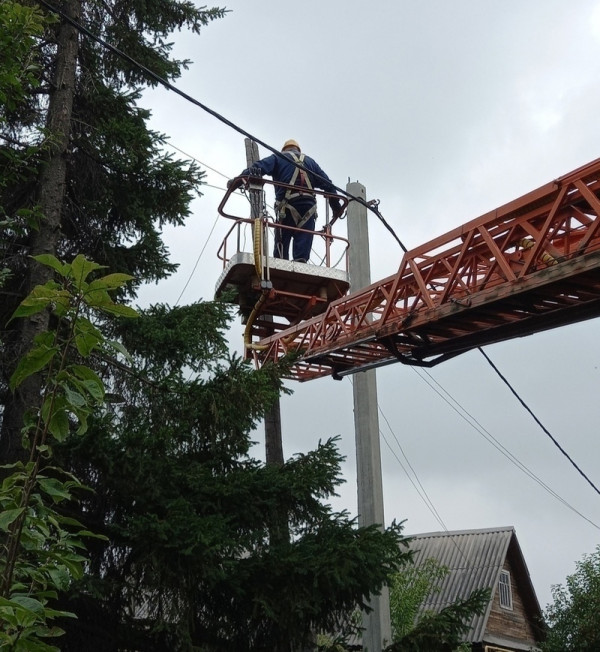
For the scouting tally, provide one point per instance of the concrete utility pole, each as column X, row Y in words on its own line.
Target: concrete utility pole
column 366, row 424
column 273, row 438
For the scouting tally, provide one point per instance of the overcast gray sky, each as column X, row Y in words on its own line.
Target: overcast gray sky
column 444, row 111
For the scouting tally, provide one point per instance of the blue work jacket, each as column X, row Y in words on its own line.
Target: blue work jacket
column 281, row 168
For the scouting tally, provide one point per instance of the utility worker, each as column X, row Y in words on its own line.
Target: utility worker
column 295, row 208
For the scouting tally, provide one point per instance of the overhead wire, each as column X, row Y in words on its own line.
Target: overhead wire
column 420, row 489
column 197, row 262
column 476, row 425
column 540, row 424
column 165, row 83
column 416, row 482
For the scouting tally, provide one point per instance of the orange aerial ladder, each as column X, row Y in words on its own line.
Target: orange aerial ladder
column 528, row 266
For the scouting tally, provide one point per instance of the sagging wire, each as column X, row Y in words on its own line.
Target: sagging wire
column 164, row 82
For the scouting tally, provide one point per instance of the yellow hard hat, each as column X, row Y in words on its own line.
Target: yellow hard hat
column 290, row 143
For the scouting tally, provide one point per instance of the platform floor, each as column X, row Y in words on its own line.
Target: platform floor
column 300, row 290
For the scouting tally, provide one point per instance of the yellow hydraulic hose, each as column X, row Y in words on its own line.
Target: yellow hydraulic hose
column 258, row 247
column 247, row 343
column 263, row 297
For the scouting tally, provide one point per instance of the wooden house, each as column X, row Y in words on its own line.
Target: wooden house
column 490, row 558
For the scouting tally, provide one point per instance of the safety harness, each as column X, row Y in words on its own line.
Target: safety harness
column 301, row 180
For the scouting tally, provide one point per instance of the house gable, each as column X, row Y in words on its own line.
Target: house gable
column 512, row 626
column 475, row 559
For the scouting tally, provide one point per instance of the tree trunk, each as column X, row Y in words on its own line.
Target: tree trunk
column 50, row 197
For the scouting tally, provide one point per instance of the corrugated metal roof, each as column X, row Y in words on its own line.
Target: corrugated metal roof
column 474, row 559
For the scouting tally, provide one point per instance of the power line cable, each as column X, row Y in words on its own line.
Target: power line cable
column 197, row 262
column 164, row 82
column 425, row 497
column 194, row 158
column 540, row 424
column 420, row 489
column 477, row 426
column 229, row 123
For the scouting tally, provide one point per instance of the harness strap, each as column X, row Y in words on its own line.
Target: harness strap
column 299, row 179
column 300, row 220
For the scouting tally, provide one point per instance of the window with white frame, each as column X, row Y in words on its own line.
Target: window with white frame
column 504, row 590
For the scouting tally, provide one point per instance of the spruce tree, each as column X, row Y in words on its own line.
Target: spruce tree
column 92, row 177
column 193, row 558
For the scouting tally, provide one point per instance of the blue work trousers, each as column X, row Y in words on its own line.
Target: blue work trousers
column 302, row 240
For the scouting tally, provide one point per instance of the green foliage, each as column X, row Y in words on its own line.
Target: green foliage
column 191, row 518
column 348, row 630
column 20, row 26
column 414, row 630
column 42, row 545
column 47, row 556
column 121, row 188
column 573, row 618
column 443, row 631
column 191, row 559
column 408, row 590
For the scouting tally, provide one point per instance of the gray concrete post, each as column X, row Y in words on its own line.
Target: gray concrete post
column 366, row 424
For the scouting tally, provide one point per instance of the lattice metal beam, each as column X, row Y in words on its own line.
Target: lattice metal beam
column 527, row 266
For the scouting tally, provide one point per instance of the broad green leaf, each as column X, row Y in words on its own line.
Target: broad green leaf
column 54, row 415
column 39, row 298
column 31, row 363
column 67, row 520
column 55, row 613
column 85, row 373
column 84, row 325
column 28, row 603
column 87, row 336
column 54, row 488
column 90, row 381
column 48, row 407
column 81, row 269
column 74, row 564
column 83, row 423
column 60, row 578
column 45, row 339
column 8, row 516
column 31, row 307
column 117, row 346
column 75, row 399
column 86, row 343
column 110, row 282
column 96, row 389
column 53, row 632
column 92, row 535
column 97, row 298
column 51, row 261
column 119, row 310
column 59, row 425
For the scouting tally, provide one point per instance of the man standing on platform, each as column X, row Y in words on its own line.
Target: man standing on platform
column 297, row 207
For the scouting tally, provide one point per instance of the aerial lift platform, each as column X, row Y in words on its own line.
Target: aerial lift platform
column 273, row 293
column 528, row 266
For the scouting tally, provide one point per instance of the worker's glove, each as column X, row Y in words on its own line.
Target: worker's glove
column 230, row 183
column 337, row 211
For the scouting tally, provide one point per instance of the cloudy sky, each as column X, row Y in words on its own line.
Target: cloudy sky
column 444, row 111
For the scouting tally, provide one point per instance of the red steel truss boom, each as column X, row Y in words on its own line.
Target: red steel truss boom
column 528, row 266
